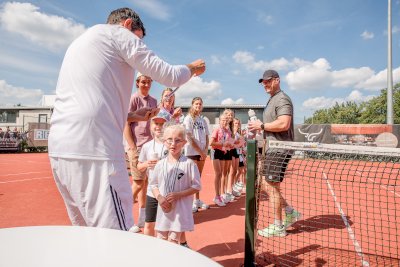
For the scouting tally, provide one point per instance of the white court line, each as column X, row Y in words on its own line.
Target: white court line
column 24, row 180
column 383, row 186
column 357, row 246
column 13, row 174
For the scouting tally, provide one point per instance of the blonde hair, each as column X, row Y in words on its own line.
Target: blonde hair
column 239, row 129
column 175, row 127
column 162, row 97
column 230, row 123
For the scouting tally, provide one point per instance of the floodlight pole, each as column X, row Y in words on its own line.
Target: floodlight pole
column 389, row 112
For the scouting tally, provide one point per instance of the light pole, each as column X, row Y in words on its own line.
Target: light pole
column 389, row 111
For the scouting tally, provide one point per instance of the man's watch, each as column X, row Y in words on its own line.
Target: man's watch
column 262, row 126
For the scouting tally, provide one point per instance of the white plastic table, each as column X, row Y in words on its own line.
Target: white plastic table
column 71, row 246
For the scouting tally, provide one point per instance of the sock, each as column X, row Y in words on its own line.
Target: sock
column 289, row 209
column 278, row 222
column 142, row 215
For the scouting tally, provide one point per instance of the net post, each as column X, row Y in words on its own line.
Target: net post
column 250, row 203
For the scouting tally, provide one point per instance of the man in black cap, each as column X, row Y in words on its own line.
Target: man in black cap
column 277, row 125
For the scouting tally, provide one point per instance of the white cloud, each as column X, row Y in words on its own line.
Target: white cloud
column 322, row 102
column 14, row 95
column 378, row 81
column 230, row 101
column 314, row 75
column 236, row 72
column 215, row 59
column 154, row 8
column 318, row 75
column 260, row 47
column 268, row 19
column 209, row 91
column 366, row 35
column 395, row 29
column 251, row 64
column 50, row 31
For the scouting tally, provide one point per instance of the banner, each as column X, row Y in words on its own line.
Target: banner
column 381, row 135
column 41, row 134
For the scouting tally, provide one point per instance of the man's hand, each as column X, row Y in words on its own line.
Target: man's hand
column 197, row 67
column 254, row 125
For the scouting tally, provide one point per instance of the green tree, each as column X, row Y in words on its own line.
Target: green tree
column 369, row 112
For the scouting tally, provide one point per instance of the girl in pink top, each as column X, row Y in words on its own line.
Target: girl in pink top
column 221, row 142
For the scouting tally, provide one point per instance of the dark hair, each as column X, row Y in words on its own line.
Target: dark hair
column 124, row 13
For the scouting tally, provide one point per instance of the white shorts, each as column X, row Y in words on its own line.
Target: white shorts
column 96, row 193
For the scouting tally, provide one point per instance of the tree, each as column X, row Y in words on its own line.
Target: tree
column 370, row 112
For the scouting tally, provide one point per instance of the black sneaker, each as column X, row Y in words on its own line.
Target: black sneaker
column 185, row 245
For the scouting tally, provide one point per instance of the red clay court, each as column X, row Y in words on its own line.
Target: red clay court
column 29, row 197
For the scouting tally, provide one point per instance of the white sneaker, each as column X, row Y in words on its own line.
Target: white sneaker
column 195, row 206
column 229, row 197
column 134, row 229
column 236, row 192
column 202, row 205
column 218, row 200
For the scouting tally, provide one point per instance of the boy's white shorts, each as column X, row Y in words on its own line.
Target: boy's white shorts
column 96, row 193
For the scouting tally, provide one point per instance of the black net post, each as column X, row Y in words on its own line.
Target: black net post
column 250, row 203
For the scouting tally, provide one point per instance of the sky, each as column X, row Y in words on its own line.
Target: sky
column 325, row 51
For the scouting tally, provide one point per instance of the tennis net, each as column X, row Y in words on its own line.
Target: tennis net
column 343, row 205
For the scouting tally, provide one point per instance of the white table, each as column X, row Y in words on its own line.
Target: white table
column 71, row 246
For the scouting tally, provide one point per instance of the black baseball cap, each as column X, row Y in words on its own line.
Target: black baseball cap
column 269, row 74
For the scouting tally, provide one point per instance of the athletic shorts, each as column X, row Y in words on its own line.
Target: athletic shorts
column 133, row 156
column 228, row 155
column 151, row 209
column 235, row 153
column 196, row 157
column 241, row 164
column 217, row 154
column 275, row 166
column 96, row 193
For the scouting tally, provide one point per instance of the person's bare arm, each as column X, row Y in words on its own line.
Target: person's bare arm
column 128, row 136
column 281, row 124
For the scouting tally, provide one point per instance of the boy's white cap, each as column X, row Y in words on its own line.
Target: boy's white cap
column 160, row 117
column 138, row 74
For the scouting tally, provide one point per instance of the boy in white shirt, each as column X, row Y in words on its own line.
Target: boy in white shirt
column 174, row 181
column 151, row 152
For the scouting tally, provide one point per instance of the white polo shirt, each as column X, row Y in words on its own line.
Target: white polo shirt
column 94, row 88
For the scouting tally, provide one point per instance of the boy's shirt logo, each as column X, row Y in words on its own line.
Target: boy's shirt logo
column 180, row 175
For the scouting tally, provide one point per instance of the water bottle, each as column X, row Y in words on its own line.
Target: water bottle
column 252, row 117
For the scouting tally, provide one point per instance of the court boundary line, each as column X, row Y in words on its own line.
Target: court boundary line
column 383, row 186
column 22, row 173
column 350, row 231
column 24, row 180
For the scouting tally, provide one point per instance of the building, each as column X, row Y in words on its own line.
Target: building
column 35, row 121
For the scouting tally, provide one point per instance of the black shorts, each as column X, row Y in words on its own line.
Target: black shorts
column 228, row 155
column 197, row 157
column 275, row 166
column 151, row 209
column 217, row 154
column 241, row 164
column 234, row 153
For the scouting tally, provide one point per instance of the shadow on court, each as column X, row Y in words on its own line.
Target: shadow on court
column 317, row 223
column 225, row 249
column 236, row 208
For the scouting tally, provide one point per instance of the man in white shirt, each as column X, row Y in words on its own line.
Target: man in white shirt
column 93, row 91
